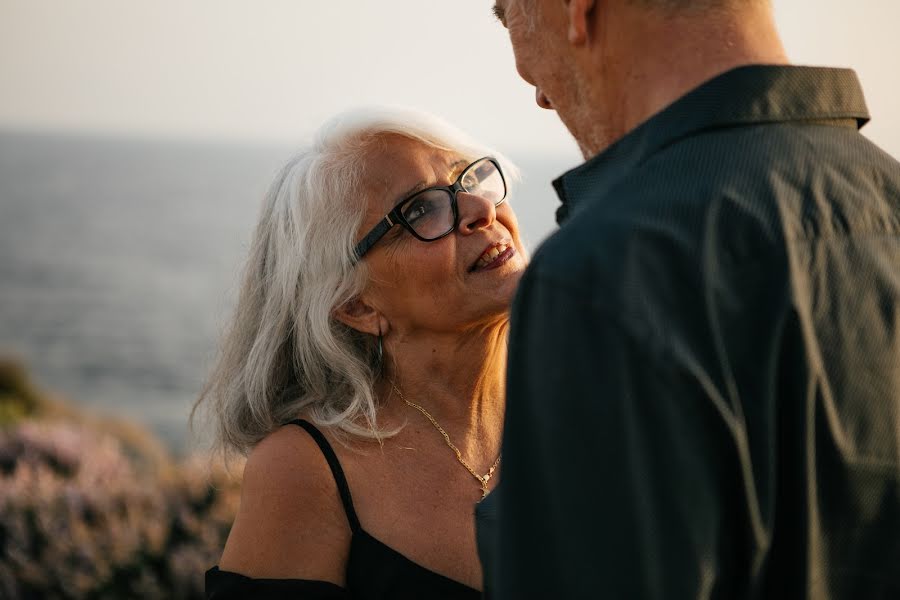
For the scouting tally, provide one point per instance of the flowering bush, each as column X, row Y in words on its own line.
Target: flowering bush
column 82, row 516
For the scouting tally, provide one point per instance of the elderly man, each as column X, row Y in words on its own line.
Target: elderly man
column 704, row 368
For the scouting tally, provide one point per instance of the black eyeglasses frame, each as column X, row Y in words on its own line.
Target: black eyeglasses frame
column 395, row 216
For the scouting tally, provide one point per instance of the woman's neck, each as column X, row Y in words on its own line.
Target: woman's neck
column 458, row 379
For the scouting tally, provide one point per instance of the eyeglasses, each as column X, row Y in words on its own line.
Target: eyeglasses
column 432, row 213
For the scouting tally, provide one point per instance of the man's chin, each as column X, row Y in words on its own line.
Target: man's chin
column 591, row 145
column 586, row 152
column 591, row 137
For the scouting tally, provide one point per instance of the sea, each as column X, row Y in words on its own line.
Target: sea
column 120, row 258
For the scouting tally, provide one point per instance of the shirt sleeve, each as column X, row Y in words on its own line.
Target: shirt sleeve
column 619, row 457
column 225, row 585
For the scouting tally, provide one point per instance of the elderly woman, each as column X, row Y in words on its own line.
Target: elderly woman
column 364, row 367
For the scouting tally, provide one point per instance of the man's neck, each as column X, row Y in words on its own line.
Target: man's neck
column 666, row 57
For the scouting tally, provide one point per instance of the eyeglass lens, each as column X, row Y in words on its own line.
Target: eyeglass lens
column 430, row 212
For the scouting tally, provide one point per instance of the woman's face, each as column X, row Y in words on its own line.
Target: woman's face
column 451, row 284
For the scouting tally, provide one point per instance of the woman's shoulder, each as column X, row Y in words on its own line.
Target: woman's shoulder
column 292, row 461
column 291, row 522
column 289, row 456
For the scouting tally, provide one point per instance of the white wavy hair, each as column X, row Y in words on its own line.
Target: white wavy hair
column 284, row 355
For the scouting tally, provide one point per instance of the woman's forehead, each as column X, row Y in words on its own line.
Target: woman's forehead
column 401, row 166
column 403, row 153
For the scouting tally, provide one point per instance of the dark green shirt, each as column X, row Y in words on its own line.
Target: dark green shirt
column 704, row 368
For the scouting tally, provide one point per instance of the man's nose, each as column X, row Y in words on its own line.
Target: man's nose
column 542, row 100
column 475, row 212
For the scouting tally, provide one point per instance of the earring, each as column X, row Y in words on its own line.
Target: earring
column 379, row 352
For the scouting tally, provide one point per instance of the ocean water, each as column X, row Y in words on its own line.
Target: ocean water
column 119, row 261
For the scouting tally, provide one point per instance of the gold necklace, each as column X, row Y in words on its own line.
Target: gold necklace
column 482, row 479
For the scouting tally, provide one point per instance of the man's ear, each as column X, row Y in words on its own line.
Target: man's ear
column 579, row 12
column 359, row 315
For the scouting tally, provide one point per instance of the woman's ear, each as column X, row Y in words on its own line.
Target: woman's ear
column 361, row 316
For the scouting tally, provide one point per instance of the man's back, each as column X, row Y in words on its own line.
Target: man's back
column 727, row 409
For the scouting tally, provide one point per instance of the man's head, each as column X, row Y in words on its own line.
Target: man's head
column 542, row 53
column 605, row 66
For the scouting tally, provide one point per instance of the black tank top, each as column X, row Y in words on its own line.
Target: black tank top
column 375, row 571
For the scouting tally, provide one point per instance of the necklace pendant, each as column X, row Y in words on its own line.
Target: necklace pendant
column 482, row 479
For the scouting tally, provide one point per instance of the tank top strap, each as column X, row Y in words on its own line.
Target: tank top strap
column 336, row 470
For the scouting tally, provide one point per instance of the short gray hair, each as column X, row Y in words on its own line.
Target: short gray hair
column 669, row 6
column 284, row 354
column 694, row 6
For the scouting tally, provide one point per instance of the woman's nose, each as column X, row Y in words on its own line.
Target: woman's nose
column 475, row 212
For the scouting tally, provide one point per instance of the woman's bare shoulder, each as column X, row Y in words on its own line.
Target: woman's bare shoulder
column 291, row 523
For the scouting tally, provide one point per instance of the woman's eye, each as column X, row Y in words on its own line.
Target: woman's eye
column 414, row 213
column 417, row 210
column 470, row 180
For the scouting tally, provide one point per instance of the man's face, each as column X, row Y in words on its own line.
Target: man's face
column 538, row 33
column 532, row 45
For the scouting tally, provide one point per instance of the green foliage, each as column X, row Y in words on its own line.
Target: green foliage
column 18, row 397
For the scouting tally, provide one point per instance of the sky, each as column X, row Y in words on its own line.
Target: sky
column 272, row 70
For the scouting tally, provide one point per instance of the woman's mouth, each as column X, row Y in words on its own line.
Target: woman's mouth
column 493, row 257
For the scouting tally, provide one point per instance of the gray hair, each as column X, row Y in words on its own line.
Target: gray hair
column 284, row 353
column 695, row 6
column 668, row 6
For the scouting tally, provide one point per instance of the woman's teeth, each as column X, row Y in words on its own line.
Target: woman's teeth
column 489, row 255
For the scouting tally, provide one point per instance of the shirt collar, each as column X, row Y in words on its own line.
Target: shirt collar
column 746, row 95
